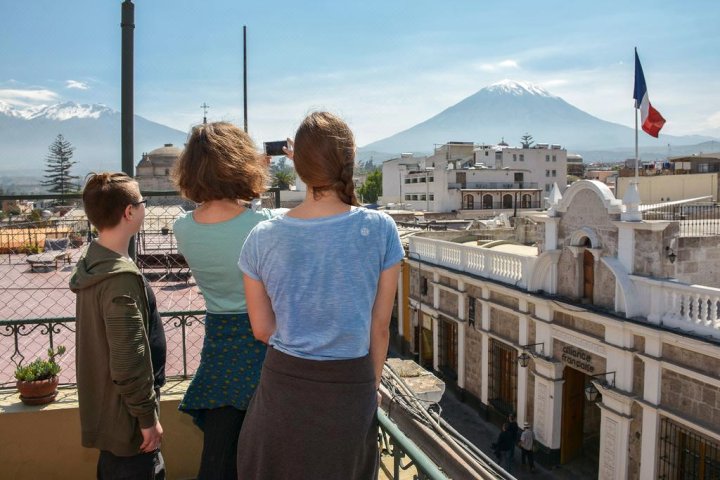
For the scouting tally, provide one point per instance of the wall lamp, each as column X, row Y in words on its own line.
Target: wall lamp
column 524, row 357
column 670, row 254
column 591, row 392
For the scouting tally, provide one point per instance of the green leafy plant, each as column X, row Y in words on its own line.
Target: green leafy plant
column 40, row 369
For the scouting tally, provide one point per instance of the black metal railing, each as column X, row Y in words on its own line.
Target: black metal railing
column 686, row 455
column 478, row 204
column 696, row 219
column 22, row 341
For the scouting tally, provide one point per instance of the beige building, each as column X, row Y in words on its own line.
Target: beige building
column 666, row 188
column 604, row 334
column 153, row 171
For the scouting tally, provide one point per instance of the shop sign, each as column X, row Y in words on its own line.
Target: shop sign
column 577, row 358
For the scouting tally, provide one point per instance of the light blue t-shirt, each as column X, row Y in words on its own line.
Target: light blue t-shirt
column 212, row 251
column 322, row 276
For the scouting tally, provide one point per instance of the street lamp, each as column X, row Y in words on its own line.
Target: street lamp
column 524, row 357
column 591, row 392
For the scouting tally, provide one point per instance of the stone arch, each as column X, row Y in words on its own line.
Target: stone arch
column 468, row 202
column 487, row 201
column 578, row 238
column 507, row 201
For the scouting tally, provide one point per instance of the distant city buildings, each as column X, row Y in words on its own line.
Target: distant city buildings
column 153, row 170
column 465, row 177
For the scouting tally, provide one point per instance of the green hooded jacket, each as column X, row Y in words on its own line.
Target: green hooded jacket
column 114, row 366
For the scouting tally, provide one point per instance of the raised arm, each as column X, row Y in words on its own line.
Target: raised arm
column 262, row 317
column 381, row 313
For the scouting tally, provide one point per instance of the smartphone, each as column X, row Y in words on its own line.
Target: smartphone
column 275, row 148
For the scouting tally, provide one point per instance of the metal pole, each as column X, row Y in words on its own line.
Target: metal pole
column 637, row 155
column 427, row 191
column 126, row 117
column 127, row 25
column 245, row 116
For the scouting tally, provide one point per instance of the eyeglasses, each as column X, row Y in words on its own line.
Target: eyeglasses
column 143, row 201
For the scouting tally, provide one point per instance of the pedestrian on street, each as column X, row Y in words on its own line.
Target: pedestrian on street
column 527, row 444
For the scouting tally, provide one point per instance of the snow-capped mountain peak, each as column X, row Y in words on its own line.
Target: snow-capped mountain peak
column 515, row 87
column 69, row 110
column 60, row 111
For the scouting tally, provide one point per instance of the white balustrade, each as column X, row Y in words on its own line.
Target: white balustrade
column 693, row 308
column 503, row 267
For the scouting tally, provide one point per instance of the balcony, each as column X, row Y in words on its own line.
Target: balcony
column 37, row 312
column 494, row 186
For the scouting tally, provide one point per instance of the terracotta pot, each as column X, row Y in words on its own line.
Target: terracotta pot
column 38, row 392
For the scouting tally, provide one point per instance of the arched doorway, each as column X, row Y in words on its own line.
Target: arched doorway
column 526, row 200
column 507, row 201
column 487, row 201
column 468, row 202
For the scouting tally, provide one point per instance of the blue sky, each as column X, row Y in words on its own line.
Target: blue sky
column 383, row 65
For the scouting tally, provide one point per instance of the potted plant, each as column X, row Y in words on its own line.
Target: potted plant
column 37, row 382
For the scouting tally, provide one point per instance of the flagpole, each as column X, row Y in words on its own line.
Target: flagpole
column 637, row 155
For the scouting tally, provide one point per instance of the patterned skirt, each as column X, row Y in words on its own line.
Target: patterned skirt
column 230, row 365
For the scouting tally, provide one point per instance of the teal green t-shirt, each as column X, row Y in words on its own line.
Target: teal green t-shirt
column 212, row 251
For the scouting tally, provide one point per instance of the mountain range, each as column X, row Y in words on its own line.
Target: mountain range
column 508, row 110
column 94, row 131
column 505, row 110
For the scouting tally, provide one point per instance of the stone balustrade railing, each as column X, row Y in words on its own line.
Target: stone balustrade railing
column 694, row 308
column 503, row 267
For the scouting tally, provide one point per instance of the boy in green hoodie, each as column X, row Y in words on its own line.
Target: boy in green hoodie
column 120, row 341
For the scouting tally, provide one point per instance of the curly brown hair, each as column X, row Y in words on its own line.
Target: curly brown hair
column 220, row 161
column 325, row 155
column 105, row 197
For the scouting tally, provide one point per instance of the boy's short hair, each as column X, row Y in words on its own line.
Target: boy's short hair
column 106, row 195
column 220, row 161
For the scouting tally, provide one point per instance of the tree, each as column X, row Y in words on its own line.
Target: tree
column 59, row 161
column 526, row 140
column 372, row 188
column 282, row 174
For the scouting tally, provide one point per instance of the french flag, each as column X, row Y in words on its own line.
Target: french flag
column 652, row 121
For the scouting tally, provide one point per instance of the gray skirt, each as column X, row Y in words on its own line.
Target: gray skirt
column 311, row 420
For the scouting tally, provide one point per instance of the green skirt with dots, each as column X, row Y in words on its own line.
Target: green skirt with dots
column 230, row 364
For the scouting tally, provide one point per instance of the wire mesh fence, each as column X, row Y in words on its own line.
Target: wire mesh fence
column 41, row 239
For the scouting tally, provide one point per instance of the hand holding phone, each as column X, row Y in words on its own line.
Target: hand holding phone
column 275, row 148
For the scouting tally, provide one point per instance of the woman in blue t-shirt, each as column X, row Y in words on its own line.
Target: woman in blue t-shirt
column 320, row 283
column 220, row 169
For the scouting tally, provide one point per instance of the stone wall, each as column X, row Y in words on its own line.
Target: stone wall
column 691, row 398
column 580, row 324
column 504, row 324
column 505, row 300
column 448, row 303
column 588, row 209
column 415, row 281
column 567, row 274
column 692, row 360
column 540, row 237
column 604, row 287
column 448, row 282
column 698, row 260
column 638, row 377
column 634, row 442
column 473, row 361
column 649, row 253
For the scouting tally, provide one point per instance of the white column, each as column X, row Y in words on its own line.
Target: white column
column 651, row 419
column 626, row 246
column 485, row 342
column 461, row 355
column 547, row 407
column 614, row 435
column 436, row 343
column 436, row 291
column 522, row 377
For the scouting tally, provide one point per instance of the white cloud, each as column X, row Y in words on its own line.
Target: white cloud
column 27, row 97
column 498, row 66
column 76, row 85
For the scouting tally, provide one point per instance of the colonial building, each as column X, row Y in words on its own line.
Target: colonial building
column 153, row 170
column 464, row 177
column 604, row 334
